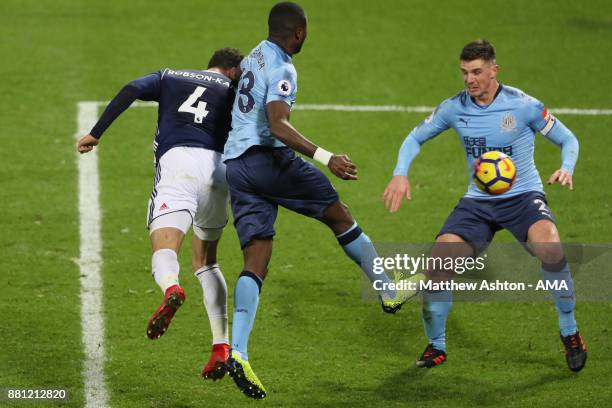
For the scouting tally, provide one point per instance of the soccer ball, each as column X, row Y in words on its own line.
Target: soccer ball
column 494, row 172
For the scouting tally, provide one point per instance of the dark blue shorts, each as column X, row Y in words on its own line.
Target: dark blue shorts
column 477, row 221
column 263, row 178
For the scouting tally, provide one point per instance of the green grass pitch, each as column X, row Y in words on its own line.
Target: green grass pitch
column 315, row 343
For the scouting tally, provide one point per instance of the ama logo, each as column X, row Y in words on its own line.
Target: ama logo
column 552, row 285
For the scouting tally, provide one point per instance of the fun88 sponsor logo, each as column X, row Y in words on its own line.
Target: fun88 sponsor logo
column 476, row 146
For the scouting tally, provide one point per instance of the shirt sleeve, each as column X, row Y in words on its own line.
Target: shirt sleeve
column 431, row 127
column 282, row 85
column 541, row 120
column 146, row 88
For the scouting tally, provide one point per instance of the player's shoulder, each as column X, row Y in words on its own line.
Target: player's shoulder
column 526, row 105
column 517, row 95
column 460, row 99
column 276, row 58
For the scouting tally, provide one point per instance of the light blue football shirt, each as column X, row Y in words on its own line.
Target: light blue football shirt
column 268, row 75
column 508, row 124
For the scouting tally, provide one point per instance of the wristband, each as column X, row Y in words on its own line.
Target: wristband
column 322, row 156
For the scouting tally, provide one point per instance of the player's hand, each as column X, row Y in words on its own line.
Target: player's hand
column 342, row 167
column 86, row 144
column 397, row 189
column 562, row 177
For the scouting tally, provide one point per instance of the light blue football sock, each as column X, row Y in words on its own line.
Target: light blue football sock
column 360, row 249
column 436, row 306
column 565, row 300
column 246, row 299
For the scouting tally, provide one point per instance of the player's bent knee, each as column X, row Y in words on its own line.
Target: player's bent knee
column 168, row 230
column 204, row 253
column 338, row 218
column 544, row 242
column 543, row 231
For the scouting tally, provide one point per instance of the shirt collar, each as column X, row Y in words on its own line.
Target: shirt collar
column 274, row 44
column 499, row 89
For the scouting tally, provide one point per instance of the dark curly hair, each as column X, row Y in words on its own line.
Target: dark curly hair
column 479, row 49
column 225, row 58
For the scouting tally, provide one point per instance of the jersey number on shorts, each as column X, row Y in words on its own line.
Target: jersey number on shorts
column 543, row 207
column 245, row 90
column 199, row 111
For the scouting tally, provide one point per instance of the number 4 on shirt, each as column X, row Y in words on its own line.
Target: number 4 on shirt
column 199, row 111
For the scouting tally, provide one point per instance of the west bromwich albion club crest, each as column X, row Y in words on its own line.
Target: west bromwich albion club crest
column 508, row 123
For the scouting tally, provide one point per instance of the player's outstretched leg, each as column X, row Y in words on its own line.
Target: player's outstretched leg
column 165, row 269
column 358, row 246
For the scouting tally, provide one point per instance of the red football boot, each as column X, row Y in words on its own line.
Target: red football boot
column 216, row 368
column 161, row 318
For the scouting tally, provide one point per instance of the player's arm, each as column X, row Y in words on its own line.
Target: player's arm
column 555, row 131
column 282, row 89
column 399, row 186
column 282, row 129
column 145, row 88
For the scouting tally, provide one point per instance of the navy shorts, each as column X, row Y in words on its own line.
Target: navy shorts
column 477, row 221
column 263, row 178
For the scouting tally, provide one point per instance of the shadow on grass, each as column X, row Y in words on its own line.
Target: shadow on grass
column 419, row 385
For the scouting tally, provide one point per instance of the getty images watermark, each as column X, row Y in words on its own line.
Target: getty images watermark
column 491, row 272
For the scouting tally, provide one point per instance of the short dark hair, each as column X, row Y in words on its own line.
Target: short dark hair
column 479, row 49
column 285, row 18
column 225, row 58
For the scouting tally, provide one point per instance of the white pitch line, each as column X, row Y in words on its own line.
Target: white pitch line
column 90, row 262
column 397, row 108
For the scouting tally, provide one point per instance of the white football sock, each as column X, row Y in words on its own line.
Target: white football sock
column 165, row 268
column 214, row 293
